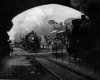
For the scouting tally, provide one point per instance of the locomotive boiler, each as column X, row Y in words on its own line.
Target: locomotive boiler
column 32, row 42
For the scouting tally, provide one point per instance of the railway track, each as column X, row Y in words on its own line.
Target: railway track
column 61, row 72
column 43, row 70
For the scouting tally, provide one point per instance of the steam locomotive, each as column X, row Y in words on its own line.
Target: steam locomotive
column 84, row 40
column 31, row 42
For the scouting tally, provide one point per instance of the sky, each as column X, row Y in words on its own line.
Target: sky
column 37, row 19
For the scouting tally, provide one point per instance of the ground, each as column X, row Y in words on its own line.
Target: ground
column 18, row 67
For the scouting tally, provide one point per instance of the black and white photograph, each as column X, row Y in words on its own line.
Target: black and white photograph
column 50, row 40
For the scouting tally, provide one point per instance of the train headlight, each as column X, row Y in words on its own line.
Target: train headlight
column 32, row 38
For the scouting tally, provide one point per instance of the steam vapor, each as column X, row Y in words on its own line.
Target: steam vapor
column 36, row 19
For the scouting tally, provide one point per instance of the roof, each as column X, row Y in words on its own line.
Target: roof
column 61, row 31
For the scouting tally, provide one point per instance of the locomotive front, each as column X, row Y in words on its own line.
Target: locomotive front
column 32, row 42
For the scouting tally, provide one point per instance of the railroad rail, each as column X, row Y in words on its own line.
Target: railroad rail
column 47, row 69
column 63, row 73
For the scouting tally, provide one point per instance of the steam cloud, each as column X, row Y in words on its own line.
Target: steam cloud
column 37, row 19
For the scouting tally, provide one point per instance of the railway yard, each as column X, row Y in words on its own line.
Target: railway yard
column 22, row 65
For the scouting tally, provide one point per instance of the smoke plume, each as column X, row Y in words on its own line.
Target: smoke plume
column 36, row 19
